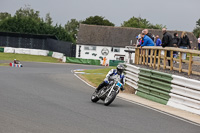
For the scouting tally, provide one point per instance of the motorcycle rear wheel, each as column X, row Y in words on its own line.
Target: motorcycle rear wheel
column 94, row 97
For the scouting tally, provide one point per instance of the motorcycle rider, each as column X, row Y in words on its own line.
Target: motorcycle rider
column 112, row 74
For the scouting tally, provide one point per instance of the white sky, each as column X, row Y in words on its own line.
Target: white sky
column 175, row 14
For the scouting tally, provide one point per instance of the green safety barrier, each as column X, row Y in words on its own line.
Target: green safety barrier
column 1, row 49
column 50, row 53
column 154, row 85
column 152, row 98
column 115, row 62
column 153, row 91
column 82, row 61
column 155, row 74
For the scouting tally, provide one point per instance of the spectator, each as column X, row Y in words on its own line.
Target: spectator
column 199, row 42
column 166, row 41
column 147, row 42
column 158, row 41
column 184, row 43
column 146, row 32
column 175, row 41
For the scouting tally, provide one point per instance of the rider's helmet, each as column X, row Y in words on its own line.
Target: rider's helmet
column 120, row 69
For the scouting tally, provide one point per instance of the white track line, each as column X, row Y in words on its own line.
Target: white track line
column 182, row 119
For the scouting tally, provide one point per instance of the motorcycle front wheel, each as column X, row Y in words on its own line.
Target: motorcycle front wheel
column 110, row 99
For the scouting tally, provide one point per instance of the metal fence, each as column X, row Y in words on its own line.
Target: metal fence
column 45, row 42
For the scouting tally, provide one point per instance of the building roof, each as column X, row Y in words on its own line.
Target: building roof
column 116, row 36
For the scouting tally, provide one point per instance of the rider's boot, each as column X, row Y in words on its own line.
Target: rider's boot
column 100, row 86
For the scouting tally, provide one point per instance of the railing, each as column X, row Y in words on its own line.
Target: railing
column 152, row 57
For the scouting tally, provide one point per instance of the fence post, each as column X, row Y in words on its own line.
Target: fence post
column 143, row 53
column 180, row 62
column 151, row 58
column 159, row 56
column 147, row 56
column 136, row 55
column 140, row 56
column 165, row 57
column 190, row 65
column 171, row 60
column 155, row 58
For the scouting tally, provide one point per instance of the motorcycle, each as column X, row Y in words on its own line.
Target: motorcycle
column 108, row 93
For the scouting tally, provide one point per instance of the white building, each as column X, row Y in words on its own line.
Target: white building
column 99, row 52
column 97, row 42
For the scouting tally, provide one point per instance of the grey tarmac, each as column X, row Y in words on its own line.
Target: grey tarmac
column 48, row 98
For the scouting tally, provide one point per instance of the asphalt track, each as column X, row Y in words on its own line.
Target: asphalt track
column 48, row 98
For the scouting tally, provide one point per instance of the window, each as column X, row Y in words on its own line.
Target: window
column 90, row 48
column 115, row 49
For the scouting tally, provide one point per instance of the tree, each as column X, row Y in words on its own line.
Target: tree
column 198, row 22
column 28, row 12
column 141, row 23
column 97, row 20
column 196, row 30
column 26, row 20
column 48, row 19
column 72, row 27
column 4, row 15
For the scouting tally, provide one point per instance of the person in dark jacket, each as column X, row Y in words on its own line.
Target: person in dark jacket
column 166, row 41
column 184, row 43
column 175, row 41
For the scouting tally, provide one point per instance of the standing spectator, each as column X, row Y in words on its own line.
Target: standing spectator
column 175, row 44
column 147, row 42
column 199, row 42
column 166, row 42
column 158, row 41
column 184, row 43
column 146, row 32
column 175, row 40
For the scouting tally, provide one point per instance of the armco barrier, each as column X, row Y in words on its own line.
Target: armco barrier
column 33, row 52
column 82, row 61
column 155, row 85
column 172, row 90
column 9, row 50
column 57, row 55
column 64, row 59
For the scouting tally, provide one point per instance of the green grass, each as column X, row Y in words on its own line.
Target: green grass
column 94, row 77
column 4, row 64
column 32, row 58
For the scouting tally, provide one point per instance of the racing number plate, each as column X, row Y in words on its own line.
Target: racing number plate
column 119, row 84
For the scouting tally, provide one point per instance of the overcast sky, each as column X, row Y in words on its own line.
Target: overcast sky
column 175, row 14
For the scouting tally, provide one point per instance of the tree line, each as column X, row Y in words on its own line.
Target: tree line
column 27, row 20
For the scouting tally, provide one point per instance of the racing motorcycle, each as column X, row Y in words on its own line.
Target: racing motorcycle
column 108, row 93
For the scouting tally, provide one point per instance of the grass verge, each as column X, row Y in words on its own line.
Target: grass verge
column 24, row 57
column 95, row 76
column 4, row 64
